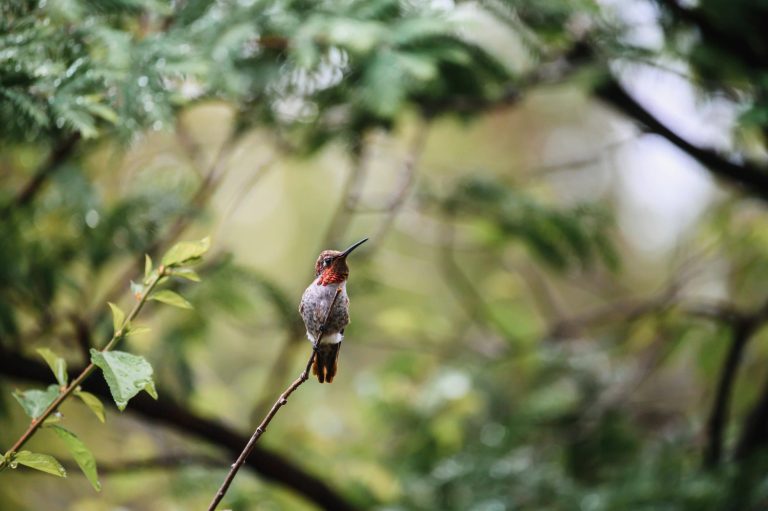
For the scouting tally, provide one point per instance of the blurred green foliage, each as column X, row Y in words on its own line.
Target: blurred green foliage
column 511, row 348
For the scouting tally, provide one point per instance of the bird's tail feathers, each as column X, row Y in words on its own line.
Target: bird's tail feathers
column 326, row 362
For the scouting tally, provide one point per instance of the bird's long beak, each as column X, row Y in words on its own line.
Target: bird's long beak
column 350, row 249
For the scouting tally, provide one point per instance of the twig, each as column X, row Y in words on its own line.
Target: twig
column 204, row 191
column 463, row 287
column 65, row 393
column 407, row 178
column 282, row 400
column 350, row 196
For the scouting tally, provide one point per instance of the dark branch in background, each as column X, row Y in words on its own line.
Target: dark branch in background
column 754, row 434
column 741, row 333
column 751, row 178
column 624, row 311
column 60, row 153
column 743, row 327
column 281, row 401
column 267, row 464
column 738, row 48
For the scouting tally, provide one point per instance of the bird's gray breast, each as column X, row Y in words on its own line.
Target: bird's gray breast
column 314, row 307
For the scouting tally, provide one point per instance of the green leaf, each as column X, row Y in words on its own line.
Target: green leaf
column 41, row 462
column 384, row 85
column 138, row 330
column 126, row 375
column 186, row 251
column 186, row 273
column 118, row 317
column 54, row 418
column 92, row 402
column 171, row 298
column 103, row 111
column 34, row 401
column 83, row 456
column 57, row 364
column 147, row 266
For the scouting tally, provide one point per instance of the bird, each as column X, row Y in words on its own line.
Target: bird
column 327, row 327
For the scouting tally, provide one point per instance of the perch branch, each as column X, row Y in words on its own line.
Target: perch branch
column 282, row 400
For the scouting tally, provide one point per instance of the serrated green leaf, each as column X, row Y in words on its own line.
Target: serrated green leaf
column 186, row 251
column 171, row 298
column 92, row 402
column 138, row 330
column 147, row 266
column 186, row 273
column 118, row 316
column 35, row 402
column 150, row 389
column 57, row 364
column 126, row 374
column 83, row 456
column 41, row 462
column 54, row 418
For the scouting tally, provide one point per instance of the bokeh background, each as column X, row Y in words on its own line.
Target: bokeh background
column 561, row 304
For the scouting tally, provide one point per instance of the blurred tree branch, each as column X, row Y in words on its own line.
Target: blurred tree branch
column 62, row 150
column 210, row 181
column 751, row 178
column 468, row 296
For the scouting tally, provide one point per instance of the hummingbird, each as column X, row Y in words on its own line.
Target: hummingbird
column 331, row 272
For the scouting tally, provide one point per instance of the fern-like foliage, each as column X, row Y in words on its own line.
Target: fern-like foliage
column 313, row 69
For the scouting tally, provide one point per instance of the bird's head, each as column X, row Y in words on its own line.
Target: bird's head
column 331, row 265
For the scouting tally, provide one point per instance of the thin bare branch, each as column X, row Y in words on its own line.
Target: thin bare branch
column 281, row 401
column 407, row 178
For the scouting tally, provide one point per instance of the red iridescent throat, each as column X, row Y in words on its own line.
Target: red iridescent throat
column 333, row 275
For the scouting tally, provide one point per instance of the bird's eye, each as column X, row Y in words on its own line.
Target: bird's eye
column 327, row 261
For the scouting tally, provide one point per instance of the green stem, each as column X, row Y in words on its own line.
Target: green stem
column 119, row 334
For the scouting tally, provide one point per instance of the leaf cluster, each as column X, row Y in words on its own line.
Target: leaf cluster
column 126, row 374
